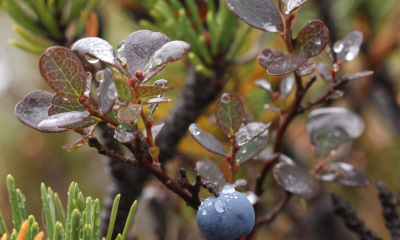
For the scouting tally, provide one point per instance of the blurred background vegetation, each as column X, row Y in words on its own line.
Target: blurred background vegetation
column 33, row 157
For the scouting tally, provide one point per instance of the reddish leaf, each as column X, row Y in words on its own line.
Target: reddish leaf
column 126, row 132
column 129, row 113
column 140, row 46
column 206, row 140
column 169, row 52
column 64, row 119
column 33, row 109
column 287, row 64
column 261, row 14
column 312, row 39
column 99, row 49
column 210, row 172
column 344, row 174
column 306, row 70
column 60, row 105
column 289, row 6
column 296, row 180
column 107, row 91
column 267, row 56
column 229, row 112
column 63, row 71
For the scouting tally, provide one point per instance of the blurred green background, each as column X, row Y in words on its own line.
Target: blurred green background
column 33, row 157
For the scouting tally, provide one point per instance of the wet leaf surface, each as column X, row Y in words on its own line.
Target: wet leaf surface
column 251, row 131
column 140, row 46
column 155, row 130
column 123, row 91
column 261, row 14
column 153, row 107
column 325, row 72
column 345, row 174
column 287, row 64
column 206, row 140
column 348, row 48
column 289, row 6
column 125, row 132
column 306, row 70
column 312, row 39
column 229, row 113
column 64, row 119
column 210, row 172
column 296, row 180
column 60, row 105
column 88, row 88
column 150, row 91
column 267, row 56
column 129, row 113
column 107, row 91
column 75, row 145
column 252, row 148
column 329, row 128
column 156, row 100
column 264, row 85
column 286, row 86
column 63, row 72
column 169, row 52
column 358, row 75
column 98, row 49
column 33, row 109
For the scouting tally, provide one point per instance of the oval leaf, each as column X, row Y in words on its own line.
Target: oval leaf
column 251, row 131
column 33, row 109
column 60, row 105
column 140, row 46
column 206, row 140
column 267, row 56
column 286, row 86
column 358, row 75
column 287, row 64
column 344, row 174
column 264, row 85
column 312, row 39
column 63, row 71
column 252, row 148
column 289, row 6
column 157, row 100
column 123, row 91
column 169, row 52
column 99, row 49
column 64, row 119
column 107, row 91
column 229, row 113
column 125, row 132
column 296, row 180
column 306, row 70
column 129, row 113
column 325, row 72
column 349, row 47
column 150, row 91
column 261, row 14
column 329, row 128
column 211, row 172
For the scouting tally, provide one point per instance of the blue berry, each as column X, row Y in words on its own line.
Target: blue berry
column 226, row 217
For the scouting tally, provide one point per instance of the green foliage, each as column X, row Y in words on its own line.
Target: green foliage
column 39, row 23
column 81, row 222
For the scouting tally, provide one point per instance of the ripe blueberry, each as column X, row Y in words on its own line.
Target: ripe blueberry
column 226, row 217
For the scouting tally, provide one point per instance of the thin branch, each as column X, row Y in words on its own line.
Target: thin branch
column 276, row 210
column 234, row 148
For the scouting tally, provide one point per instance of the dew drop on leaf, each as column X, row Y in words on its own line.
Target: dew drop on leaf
column 194, row 129
column 92, row 60
column 125, row 133
column 338, row 46
column 270, row 27
column 225, row 98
